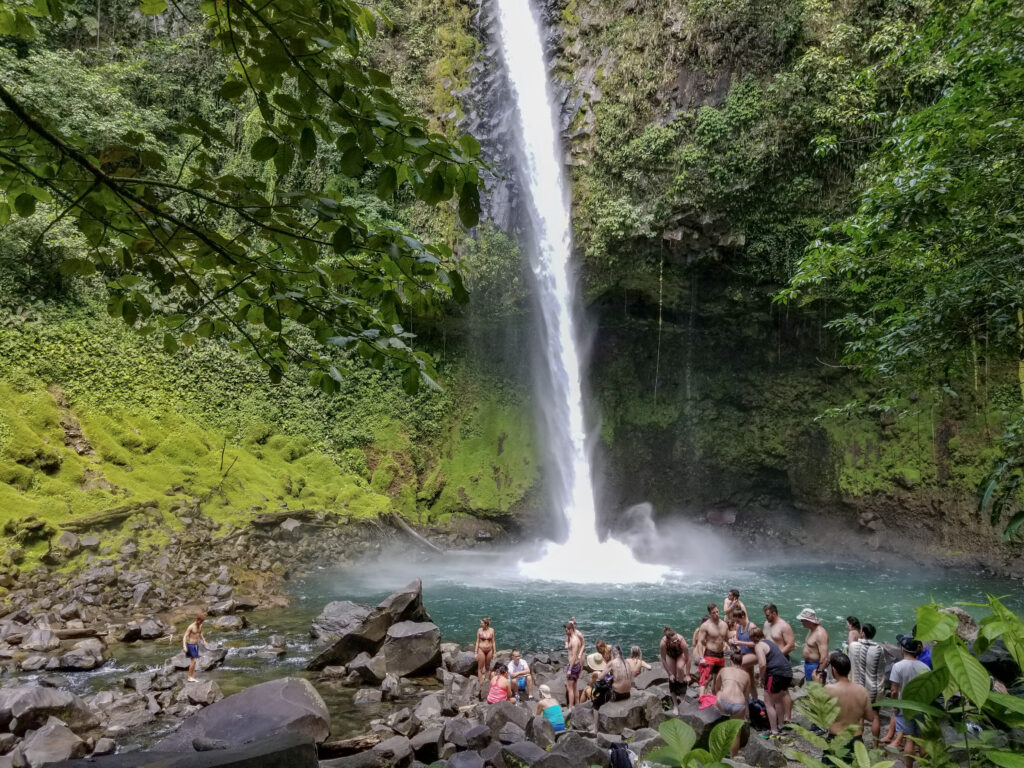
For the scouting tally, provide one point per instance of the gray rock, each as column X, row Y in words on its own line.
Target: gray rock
column 511, row 733
column 151, row 628
column 371, row 670
column 763, row 753
column 85, row 655
column 463, row 663
column 287, row 705
column 52, row 743
column 478, row 737
column 540, row 731
column 350, row 629
column 89, row 542
column 574, row 750
column 203, row 692
column 41, row 640
column 203, row 744
column 496, row 715
column 222, row 608
column 456, row 731
column 34, row 663
column 466, row 760
column 209, row 658
column 426, row 744
column 68, row 543
column 406, row 604
column 33, row 705
column 583, row 717
column 104, row 746
column 701, row 720
column 397, row 749
column 290, row 525
column 229, row 623
column 649, row 677
column 367, row 696
column 412, row 648
column 523, row 754
column 428, row 709
column 629, row 713
column 390, row 689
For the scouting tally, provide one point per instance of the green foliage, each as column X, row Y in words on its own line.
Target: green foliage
column 266, row 259
column 679, row 744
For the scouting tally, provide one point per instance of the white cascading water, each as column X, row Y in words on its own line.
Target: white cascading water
column 583, row 557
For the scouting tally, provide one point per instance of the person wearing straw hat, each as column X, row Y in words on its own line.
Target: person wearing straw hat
column 815, row 651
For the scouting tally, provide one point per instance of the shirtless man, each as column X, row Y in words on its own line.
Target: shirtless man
column 733, row 690
column 675, row 658
column 484, row 651
column 573, row 644
column 709, row 646
column 815, row 650
column 854, row 704
column 731, row 601
column 190, row 644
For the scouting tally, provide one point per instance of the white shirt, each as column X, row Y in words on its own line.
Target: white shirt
column 514, row 669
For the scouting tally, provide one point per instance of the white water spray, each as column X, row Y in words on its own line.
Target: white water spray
column 582, row 558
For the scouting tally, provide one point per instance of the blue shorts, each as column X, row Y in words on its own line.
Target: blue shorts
column 810, row 667
column 192, row 650
column 522, row 682
column 911, row 726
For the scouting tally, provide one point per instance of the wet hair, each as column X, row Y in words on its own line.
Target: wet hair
column 669, row 632
column 853, row 621
column 869, row 631
column 570, row 624
column 736, row 657
column 711, row 607
column 756, row 634
column 602, row 646
column 734, row 593
column 770, row 607
column 840, row 663
column 486, row 621
column 616, row 651
column 635, row 652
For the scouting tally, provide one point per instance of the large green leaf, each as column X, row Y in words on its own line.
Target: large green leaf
column 926, row 687
column 933, row 625
column 722, row 737
column 1006, row 759
column 968, row 674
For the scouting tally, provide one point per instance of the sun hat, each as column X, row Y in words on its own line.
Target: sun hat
column 807, row 614
column 596, row 662
column 545, row 691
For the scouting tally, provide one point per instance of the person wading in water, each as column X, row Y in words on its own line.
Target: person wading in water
column 484, row 650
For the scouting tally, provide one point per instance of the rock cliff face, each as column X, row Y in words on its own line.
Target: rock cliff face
column 711, row 399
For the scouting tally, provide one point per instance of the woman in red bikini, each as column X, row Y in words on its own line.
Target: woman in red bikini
column 484, row 649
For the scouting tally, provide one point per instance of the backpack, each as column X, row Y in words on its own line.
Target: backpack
column 602, row 692
column 758, row 714
column 620, row 756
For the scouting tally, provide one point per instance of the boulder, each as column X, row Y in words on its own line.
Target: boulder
column 350, row 629
column 574, row 750
column 649, row 677
column 511, row 733
column 478, row 737
column 52, row 743
column 614, row 716
column 229, row 623
column 41, row 640
column 496, row 715
column 104, row 746
column 397, row 750
column 371, row 670
column 763, row 753
column 582, row 717
column 426, row 744
column 540, row 731
column 456, row 731
column 68, row 543
column 85, row 655
column 151, row 628
column 462, row 663
column 391, row 688
column 368, row 696
column 967, row 627
column 428, row 709
column 999, row 663
column 203, row 692
column 406, row 604
column 286, row 705
column 279, row 751
column 701, row 720
column 522, row 754
column 412, row 648
column 33, row 705
column 209, row 658
column 466, row 760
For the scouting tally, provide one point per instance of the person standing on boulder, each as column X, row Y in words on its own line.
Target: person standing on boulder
column 815, row 646
column 190, row 644
column 484, row 649
column 573, row 644
column 675, row 658
column 709, row 647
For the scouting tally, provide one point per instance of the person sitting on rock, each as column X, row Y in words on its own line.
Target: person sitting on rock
column 519, row 674
column 551, row 709
column 190, row 641
column 733, row 689
column 636, row 662
column 501, row 688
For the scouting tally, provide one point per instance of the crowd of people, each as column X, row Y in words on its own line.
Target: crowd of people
column 730, row 658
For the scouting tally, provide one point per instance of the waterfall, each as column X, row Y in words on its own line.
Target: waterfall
column 582, row 557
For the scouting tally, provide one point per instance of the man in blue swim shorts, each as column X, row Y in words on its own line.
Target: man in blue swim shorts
column 190, row 644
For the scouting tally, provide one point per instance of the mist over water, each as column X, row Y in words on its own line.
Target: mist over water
column 582, row 557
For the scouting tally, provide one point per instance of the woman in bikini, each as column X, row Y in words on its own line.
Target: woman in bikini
column 635, row 663
column 484, row 649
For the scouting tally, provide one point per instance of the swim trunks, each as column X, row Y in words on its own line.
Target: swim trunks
column 711, row 660
column 616, row 696
column 192, row 650
column 521, row 682
column 573, row 672
column 677, row 687
column 810, row 667
column 777, row 683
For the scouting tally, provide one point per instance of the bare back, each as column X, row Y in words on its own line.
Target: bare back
column 854, row 705
column 733, row 685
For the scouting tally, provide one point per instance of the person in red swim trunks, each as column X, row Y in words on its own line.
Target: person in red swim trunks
column 709, row 647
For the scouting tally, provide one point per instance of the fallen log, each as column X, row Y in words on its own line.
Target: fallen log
column 403, row 526
column 346, row 747
column 109, row 517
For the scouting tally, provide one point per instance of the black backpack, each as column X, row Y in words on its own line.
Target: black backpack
column 758, row 714
column 619, row 756
column 602, row 691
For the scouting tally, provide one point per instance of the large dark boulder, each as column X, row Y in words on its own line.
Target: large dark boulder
column 496, row 715
column 286, row 705
column 281, row 751
column 523, row 754
column 649, row 677
column 998, row 662
column 406, row 604
column 33, row 705
column 701, row 720
column 351, row 629
column 574, row 750
column 52, row 743
column 412, row 648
